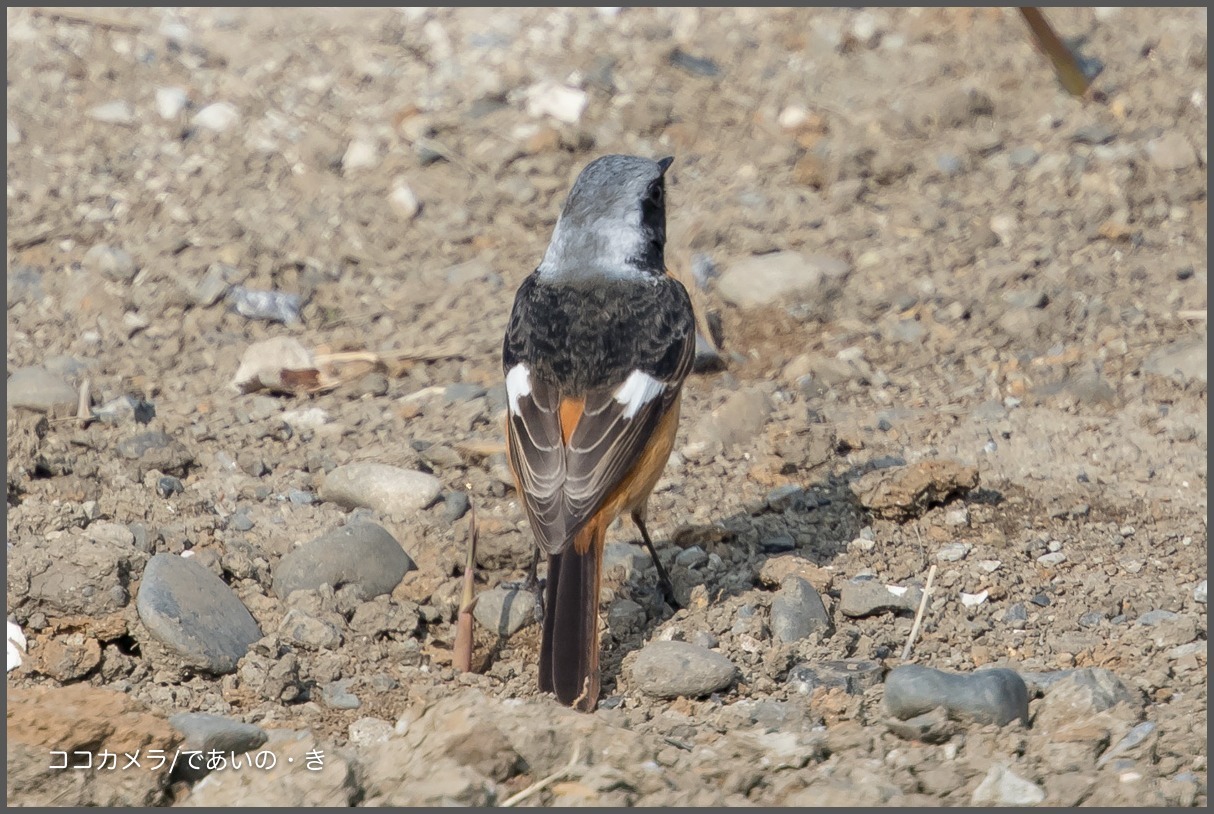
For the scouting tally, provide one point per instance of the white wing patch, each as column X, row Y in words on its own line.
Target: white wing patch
column 636, row 391
column 518, row 384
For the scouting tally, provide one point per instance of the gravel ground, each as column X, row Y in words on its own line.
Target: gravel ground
column 962, row 330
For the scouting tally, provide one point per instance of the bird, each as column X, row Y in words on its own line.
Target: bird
column 599, row 342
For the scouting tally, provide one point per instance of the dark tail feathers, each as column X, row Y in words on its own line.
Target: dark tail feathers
column 569, row 650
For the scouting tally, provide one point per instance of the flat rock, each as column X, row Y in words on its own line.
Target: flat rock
column 295, row 780
column 776, row 569
column 1171, row 151
column 300, row 628
column 111, row 262
column 74, row 573
column 82, row 720
column 736, row 422
column 369, row 731
column 780, row 278
column 997, row 696
column 364, row 556
column 504, row 611
column 195, row 614
column 624, row 560
column 337, row 695
column 36, row 388
column 384, row 488
column 115, row 112
column 673, row 669
column 1003, row 787
column 865, row 597
column 1081, row 694
column 1182, row 361
column 156, row 449
column 205, row 732
column 907, row 491
column 272, row 365
column 797, row 611
column 853, row 676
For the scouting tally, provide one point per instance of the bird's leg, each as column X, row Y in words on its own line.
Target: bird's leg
column 638, row 517
column 532, row 583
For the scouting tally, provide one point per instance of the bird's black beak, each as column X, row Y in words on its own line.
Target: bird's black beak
column 665, row 163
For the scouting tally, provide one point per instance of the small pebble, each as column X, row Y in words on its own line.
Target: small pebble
column 953, row 552
column 777, row 544
column 1199, row 593
column 301, row 497
column 974, row 600
column 1003, row 787
column 1091, row 619
column 404, row 202
column 957, row 517
column 797, row 611
column 337, row 695
column 699, row 66
column 274, row 306
column 667, row 669
column 116, row 112
column 170, row 101
column 563, row 103
column 216, row 117
column 691, row 557
column 455, row 506
column 368, row 731
column 168, row 486
column 1051, row 560
column 110, row 262
column 125, row 408
column 1132, row 739
column 864, row 597
column 305, row 630
column 504, row 611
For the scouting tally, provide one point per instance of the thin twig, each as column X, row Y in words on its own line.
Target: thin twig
column 87, row 18
column 540, row 785
column 82, row 405
column 461, row 657
column 1192, row 316
column 927, row 590
column 1066, row 66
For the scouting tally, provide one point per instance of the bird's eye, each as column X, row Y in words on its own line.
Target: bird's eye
column 656, row 193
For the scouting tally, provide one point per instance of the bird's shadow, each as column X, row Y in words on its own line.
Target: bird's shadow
column 816, row 523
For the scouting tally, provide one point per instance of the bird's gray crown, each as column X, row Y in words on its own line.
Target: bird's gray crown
column 613, row 223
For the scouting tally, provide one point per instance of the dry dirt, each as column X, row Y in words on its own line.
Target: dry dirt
column 1016, row 282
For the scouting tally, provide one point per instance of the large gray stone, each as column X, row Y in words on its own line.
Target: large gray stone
column 362, row 555
column 997, row 696
column 780, row 278
column 36, row 388
column 673, row 669
column 387, row 489
column 194, row 613
column 797, row 611
column 203, row 732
